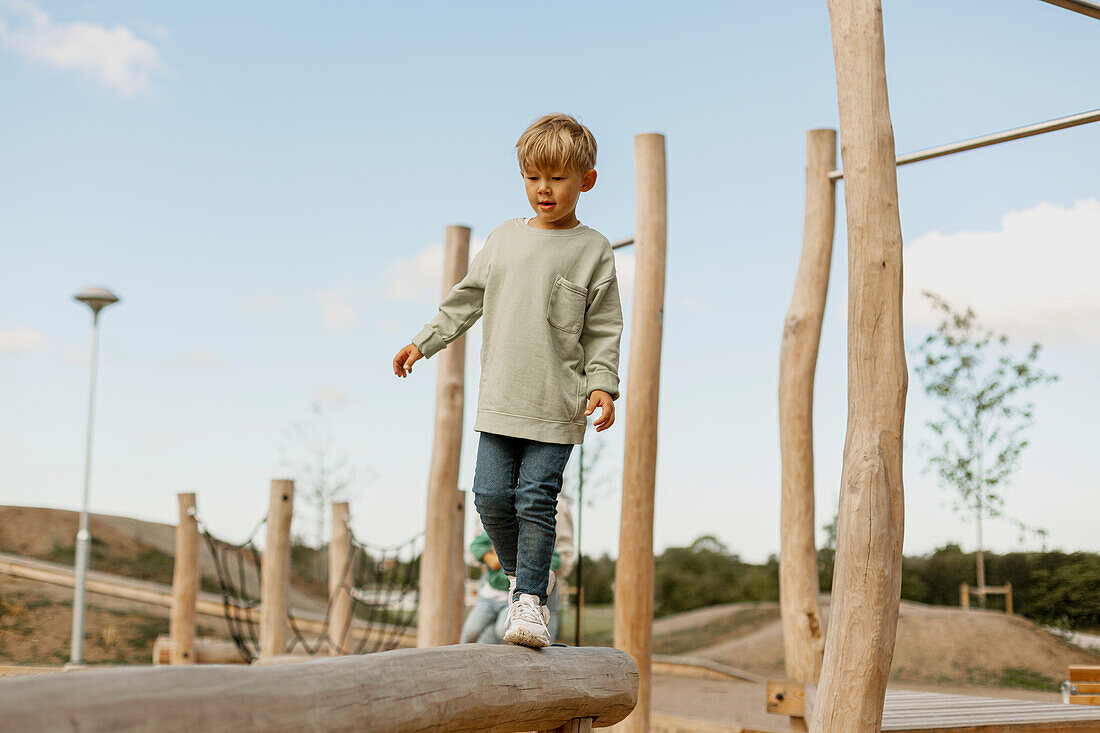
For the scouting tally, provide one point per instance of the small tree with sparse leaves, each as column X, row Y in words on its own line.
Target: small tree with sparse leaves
column 979, row 433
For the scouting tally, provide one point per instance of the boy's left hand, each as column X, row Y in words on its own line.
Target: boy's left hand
column 602, row 400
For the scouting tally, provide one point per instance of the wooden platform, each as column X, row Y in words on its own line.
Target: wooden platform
column 684, row 705
column 933, row 711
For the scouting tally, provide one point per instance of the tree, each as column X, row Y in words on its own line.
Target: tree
column 981, row 389
column 321, row 474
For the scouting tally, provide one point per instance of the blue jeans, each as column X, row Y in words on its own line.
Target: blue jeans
column 516, row 485
column 481, row 621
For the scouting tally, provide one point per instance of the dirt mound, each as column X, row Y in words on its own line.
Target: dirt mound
column 934, row 645
column 126, row 546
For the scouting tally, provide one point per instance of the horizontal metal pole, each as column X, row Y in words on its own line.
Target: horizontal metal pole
column 998, row 137
column 622, row 243
column 1084, row 7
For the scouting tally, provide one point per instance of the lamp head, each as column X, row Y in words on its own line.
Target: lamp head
column 96, row 298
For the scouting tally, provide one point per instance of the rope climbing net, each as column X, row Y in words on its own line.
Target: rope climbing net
column 380, row 581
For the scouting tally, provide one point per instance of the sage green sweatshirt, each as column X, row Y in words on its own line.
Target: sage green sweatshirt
column 552, row 325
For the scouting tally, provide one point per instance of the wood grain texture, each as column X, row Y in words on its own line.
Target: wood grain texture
column 454, row 688
column 803, row 628
column 436, row 623
column 276, row 569
column 634, row 569
column 185, row 584
column 339, row 576
column 859, row 647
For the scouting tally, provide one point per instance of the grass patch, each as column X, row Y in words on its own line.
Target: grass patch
column 1027, row 679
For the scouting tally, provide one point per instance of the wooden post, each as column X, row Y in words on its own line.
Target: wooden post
column 458, row 555
column 867, row 580
column 1008, row 598
column 634, row 568
column 185, row 584
column 964, row 596
column 803, row 632
column 276, row 569
column 437, row 604
column 339, row 577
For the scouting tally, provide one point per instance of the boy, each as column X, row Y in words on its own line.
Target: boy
column 549, row 357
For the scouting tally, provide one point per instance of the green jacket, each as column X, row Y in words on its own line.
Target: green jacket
column 552, row 326
column 496, row 578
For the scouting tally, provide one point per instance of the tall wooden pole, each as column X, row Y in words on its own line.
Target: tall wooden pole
column 634, row 568
column 867, row 579
column 458, row 573
column 437, row 603
column 276, row 569
column 339, row 576
column 803, row 631
column 185, row 584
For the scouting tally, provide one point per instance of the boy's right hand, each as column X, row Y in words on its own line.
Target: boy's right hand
column 402, row 363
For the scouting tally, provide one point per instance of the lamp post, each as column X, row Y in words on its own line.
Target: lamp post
column 97, row 299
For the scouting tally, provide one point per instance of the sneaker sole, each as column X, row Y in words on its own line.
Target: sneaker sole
column 523, row 637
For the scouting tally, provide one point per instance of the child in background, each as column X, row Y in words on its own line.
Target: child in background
column 548, row 291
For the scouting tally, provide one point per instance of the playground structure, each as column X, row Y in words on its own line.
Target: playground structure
column 842, row 691
column 842, row 674
column 259, row 627
column 965, row 591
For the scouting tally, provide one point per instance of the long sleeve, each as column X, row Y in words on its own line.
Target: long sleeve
column 603, row 328
column 459, row 310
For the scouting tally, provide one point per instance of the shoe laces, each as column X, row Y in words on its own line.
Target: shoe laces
column 526, row 610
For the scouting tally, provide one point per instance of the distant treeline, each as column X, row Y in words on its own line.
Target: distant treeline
column 1049, row 587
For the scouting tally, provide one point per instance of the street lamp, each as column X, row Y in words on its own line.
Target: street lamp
column 97, row 299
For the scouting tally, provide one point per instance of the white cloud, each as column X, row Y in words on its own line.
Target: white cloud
column 21, row 340
column 624, row 273
column 419, row 278
column 337, row 313
column 1035, row 278
column 114, row 56
column 331, row 396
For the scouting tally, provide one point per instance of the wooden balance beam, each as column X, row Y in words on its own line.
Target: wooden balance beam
column 465, row 687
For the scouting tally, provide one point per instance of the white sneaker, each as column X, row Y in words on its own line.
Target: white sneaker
column 527, row 622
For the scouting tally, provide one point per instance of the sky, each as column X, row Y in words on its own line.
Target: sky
column 267, row 187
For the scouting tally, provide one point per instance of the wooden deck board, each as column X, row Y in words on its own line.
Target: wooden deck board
column 715, row 706
column 927, row 711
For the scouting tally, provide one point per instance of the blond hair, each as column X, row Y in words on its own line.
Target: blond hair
column 556, row 141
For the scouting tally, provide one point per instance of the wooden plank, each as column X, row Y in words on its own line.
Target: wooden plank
column 463, row 687
column 1087, row 688
column 908, row 712
column 1084, row 699
column 1084, row 673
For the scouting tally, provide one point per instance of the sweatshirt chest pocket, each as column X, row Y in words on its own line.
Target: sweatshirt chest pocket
column 565, row 310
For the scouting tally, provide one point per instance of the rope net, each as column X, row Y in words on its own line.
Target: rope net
column 380, row 581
